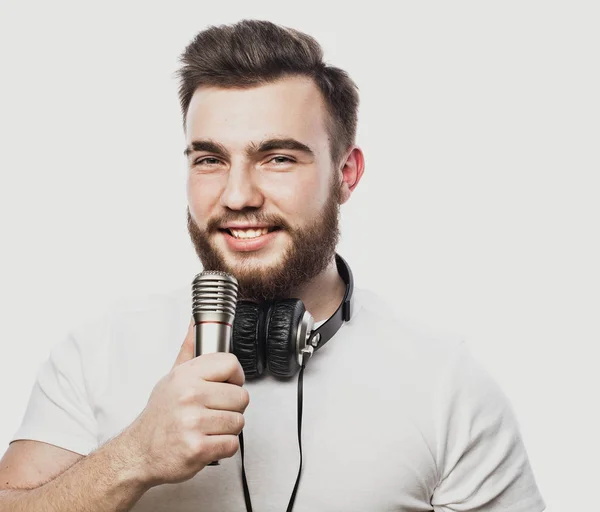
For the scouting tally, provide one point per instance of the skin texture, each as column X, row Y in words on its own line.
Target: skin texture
column 27, row 463
column 195, row 412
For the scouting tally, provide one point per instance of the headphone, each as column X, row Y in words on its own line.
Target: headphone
column 278, row 335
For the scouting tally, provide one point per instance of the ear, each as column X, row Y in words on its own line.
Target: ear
column 352, row 169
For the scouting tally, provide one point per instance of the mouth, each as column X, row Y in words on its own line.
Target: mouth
column 250, row 232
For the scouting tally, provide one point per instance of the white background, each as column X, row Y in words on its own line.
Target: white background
column 478, row 212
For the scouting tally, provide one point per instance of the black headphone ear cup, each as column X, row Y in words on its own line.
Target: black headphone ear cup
column 282, row 328
column 246, row 343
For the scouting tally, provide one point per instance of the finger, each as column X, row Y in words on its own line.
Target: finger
column 217, row 447
column 221, row 396
column 221, row 422
column 219, row 367
column 186, row 352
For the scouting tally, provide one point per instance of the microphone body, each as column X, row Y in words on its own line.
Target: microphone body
column 212, row 336
column 214, row 299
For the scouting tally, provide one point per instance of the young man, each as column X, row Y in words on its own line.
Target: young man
column 394, row 417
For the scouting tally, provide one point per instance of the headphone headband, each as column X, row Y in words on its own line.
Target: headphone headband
column 342, row 314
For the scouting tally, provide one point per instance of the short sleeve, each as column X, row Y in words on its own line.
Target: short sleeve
column 59, row 411
column 481, row 458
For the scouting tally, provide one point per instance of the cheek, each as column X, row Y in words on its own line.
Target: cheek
column 299, row 196
column 202, row 195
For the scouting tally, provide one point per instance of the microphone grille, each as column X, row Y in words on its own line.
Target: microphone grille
column 214, row 291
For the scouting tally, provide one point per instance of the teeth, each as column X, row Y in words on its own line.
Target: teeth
column 248, row 233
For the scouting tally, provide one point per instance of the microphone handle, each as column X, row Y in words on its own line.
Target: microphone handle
column 212, row 336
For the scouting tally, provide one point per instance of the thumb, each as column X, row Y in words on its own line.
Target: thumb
column 186, row 352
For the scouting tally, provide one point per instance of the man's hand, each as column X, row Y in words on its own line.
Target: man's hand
column 193, row 416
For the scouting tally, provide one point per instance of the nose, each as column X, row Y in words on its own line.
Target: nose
column 241, row 190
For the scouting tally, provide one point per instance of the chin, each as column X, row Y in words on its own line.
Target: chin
column 258, row 260
column 262, row 260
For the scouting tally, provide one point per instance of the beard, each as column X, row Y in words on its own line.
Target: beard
column 311, row 249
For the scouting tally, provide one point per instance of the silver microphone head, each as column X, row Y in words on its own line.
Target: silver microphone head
column 214, row 296
column 214, row 299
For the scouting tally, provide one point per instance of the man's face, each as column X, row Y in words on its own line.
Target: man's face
column 263, row 195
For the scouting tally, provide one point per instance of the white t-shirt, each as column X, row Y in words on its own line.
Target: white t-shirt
column 396, row 417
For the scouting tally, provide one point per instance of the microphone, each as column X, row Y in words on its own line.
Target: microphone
column 214, row 299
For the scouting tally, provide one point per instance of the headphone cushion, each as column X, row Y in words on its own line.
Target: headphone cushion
column 282, row 328
column 246, row 339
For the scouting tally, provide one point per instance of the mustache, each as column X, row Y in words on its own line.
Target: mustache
column 213, row 225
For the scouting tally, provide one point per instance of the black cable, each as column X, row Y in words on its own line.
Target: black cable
column 245, row 481
column 300, row 382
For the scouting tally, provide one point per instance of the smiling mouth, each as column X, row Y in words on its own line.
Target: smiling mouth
column 249, row 233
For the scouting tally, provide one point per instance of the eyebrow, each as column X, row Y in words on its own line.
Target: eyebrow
column 252, row 149
column 206, row 145
column 285, row 143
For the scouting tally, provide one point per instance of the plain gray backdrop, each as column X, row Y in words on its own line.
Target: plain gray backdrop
column 478, row 212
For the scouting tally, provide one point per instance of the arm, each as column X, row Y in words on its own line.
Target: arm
column 42, row 477
column 481, row 458
column 193, row 417
column 29, row 464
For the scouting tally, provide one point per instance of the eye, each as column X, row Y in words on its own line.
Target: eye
column 208, row 160
column 281, row 160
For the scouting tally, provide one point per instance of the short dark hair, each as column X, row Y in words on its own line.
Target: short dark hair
column 254, row 52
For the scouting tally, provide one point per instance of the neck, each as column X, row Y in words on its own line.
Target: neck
column 323, row 294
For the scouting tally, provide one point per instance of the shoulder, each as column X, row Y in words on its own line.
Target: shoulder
column 122, row 316
column 152, row 304
column 130, row 330
column 150, row 323
column 417, row 347
column 382, row 322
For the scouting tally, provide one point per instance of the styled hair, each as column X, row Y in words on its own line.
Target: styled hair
column 255, row 52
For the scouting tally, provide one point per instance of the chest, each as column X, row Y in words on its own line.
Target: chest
column 364, row 448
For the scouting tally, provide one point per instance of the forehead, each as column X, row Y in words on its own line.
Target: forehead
column 290, row 107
